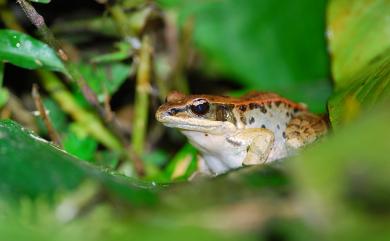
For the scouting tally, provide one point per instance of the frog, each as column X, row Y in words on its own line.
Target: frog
column 232, row 132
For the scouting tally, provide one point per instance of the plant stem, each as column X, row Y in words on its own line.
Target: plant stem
column 120, row 20
column 55, row 138
column 142, row 98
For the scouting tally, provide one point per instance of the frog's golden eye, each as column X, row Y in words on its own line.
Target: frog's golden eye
column 200, row 107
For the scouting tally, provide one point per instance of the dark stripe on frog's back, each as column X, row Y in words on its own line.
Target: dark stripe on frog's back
column 224, row 112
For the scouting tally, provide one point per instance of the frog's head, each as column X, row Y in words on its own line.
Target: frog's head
column 201, row 113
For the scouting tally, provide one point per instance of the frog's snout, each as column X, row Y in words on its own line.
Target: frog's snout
column 160, row 115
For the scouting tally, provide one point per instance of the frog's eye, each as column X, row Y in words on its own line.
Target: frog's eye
column 200, row 107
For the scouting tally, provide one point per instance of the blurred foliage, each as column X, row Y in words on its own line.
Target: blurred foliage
column 3, row 92
column 360, row 25
column 41, row 1
column 96, row 186
column 78, row 143
column 362, row 70
column 105, row 80
column 343, row 183
column 265, row 45
column 39, row 168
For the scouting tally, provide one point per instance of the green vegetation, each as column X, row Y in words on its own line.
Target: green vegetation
column 116, row 174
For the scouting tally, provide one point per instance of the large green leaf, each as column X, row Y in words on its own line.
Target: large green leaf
column 368, row 86
column 30, row 166
column 26, row 52
column 358, row 32
column 360, row 47
column 266, row 45
column 344, row 184
column 342, row 193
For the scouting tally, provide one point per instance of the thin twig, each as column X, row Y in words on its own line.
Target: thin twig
column 54, row 136
column 120, row 19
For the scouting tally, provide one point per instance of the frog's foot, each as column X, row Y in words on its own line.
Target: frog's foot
column 258, row 142
column 303, row 129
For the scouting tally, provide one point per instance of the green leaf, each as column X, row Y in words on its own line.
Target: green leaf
column 1, row 74
column 27, row 52
column 4, row 95
column 183, row 164
column 124, row 51
column 105, row 79
column 153, row 163
column 80, row 144
column 368, row 86
column 344, row 180
column 56, row 115
column 30, row 167
column 360, row 47
column 34, row 168
column 266, row 45
column 3, row 92
column 358, row 32
column 106, row 158
column 41, row 1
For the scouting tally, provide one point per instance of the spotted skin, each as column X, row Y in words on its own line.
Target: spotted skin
column 256, row 128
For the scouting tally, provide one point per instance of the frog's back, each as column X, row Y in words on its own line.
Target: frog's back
column 266, row 110
column 271, row 112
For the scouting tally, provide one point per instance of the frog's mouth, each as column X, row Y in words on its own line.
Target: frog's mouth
column 195, row 124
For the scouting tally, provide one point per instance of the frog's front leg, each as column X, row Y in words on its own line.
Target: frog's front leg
column 258, row 143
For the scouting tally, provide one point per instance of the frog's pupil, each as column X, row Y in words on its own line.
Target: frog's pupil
column 200, row 108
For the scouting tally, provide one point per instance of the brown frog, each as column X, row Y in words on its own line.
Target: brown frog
column 231, row 132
